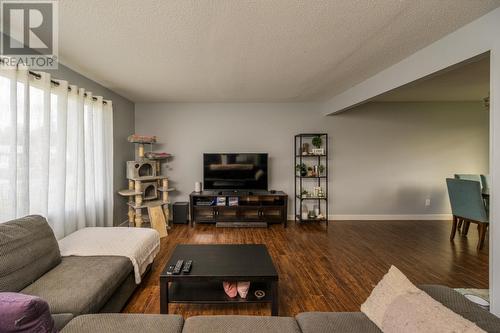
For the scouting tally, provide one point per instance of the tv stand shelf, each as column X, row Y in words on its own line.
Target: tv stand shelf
column 252, row 206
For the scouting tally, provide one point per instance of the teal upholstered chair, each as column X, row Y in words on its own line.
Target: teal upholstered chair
column 465, row 176
column 467, row 205
column 485, row 182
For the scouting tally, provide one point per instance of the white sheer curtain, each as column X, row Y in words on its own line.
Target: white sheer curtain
column 56, row 152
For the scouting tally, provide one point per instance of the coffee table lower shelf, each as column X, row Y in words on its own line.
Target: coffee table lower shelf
column 212, row 292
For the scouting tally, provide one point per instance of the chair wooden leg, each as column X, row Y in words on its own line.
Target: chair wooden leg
column 453, row 228
column 466, row 228
column 482, row 235
column 459, row 225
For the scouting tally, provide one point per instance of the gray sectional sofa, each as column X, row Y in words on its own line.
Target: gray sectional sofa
column 308, row 322
column 30, row 263
column 77, row 288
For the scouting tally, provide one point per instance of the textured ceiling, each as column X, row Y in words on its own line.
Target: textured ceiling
column 465, row 82
column 260, row 50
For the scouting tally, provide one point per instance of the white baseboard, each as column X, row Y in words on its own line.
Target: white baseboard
column 407, row 217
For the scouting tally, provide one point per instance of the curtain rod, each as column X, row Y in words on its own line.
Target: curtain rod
column 57, row 84
column 39, row 76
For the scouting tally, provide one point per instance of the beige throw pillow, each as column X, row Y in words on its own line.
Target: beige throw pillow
column 396, row 305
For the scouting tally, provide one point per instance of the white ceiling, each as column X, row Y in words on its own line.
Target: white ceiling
column 469, row 81
column 261, row 50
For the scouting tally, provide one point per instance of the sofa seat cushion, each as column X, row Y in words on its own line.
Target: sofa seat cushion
column 240, row 324
column 325, row 322
column 81, row 285
column 462, row 306
column 28, row 249
column 61, row 319
column 125, row 323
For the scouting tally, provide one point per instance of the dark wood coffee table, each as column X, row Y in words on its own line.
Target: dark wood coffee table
column 213, row 264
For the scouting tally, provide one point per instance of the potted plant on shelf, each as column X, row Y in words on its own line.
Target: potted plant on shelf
column 304, row 194
column 301, row 169
column 321, row 169
column 317, row 142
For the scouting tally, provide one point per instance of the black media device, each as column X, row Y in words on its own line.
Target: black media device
column 235, row 171
column 180, row 212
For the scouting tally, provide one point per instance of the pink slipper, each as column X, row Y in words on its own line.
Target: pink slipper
column 243, row 288
column 230, row 288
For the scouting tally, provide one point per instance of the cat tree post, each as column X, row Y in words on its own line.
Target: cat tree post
column 138, row 203
column 158, row 168
column 165, row 198
column 140, row 151
column 131, row 213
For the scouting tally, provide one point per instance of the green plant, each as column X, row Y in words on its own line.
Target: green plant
column 317, row 141
column 301, row 168
column 321, row 168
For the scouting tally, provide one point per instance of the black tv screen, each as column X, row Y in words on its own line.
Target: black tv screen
column 235, row 171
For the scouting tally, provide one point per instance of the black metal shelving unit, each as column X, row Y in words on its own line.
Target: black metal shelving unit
column 319, row 180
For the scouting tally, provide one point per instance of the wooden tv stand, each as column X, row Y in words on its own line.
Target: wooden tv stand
column 255, row 208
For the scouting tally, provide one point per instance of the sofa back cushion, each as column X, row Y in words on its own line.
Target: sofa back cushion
column 28, row 249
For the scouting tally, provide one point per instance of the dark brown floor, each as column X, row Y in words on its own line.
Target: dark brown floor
column 334, row 270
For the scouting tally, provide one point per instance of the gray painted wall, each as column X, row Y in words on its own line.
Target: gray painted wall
column 387, row 158
column 123, row 126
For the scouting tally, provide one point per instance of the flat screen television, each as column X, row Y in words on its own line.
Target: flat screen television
column 235, row 171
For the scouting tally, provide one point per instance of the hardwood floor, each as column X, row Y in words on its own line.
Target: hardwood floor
column 332, row 270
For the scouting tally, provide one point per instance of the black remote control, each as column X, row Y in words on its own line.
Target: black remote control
column 178, row 267
column 170, row 269
column 187, row 266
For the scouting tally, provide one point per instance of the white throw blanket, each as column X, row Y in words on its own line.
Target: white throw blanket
column 140, row 245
